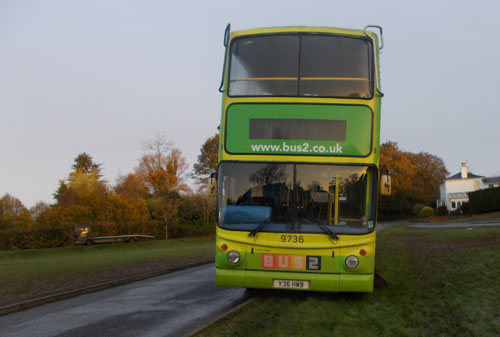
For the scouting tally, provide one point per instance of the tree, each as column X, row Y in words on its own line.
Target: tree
column 400, row 167
column 85, row 171
column 82, row 188
column 430, row 172
column 13, row 214
column 207, row 160
column 81, row 198
column 415, row 178
column 131, row 187
column 38, row 211
column 162, row 170
column 162, row 167
column 85, row 164
column 198, row 209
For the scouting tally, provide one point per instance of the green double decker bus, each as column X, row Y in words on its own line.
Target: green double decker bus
column 298, row 175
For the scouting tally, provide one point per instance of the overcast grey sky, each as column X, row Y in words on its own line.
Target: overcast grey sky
column 102, row 77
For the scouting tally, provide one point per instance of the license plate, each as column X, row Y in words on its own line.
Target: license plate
column 291, row 284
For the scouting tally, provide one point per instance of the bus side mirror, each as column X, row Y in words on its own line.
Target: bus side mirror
column 212, row 184
column 385, row 184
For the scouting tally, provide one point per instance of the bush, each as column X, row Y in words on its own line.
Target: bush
column 426, row 211
column 442, row 211
column 150, row 227
column 189, row 230
column 16, row 239
column 397, row 206
column 465, row 208
column 417, row 210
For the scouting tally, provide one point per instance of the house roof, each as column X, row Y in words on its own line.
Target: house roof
column 470, row 175
column 492, row 180
column 458, row 195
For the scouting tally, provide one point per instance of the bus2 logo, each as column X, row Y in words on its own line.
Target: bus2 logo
column 296, row 262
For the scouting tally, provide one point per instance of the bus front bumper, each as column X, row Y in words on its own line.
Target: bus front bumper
column 315, row 281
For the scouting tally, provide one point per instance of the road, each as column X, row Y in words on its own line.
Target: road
column 169, row 305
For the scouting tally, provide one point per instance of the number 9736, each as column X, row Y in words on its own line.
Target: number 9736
column 292, row 238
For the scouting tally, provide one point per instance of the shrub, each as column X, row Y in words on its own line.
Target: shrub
column 150, row 227
column 442, row 211
column 417, row 209
column 189, row 230
column 16, row 239
column 426, row 211
column 397, row 206
column 465, row 208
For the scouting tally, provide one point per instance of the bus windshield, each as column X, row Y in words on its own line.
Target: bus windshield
column 301, row 65
column 296, row 198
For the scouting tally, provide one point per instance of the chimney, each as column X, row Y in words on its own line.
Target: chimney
column 464, row 170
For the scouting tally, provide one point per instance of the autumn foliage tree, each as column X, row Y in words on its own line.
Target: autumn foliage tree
column 207, row 160
column 84, row 198
column 131, row 186
column 38, row 212
column 162, row 171
column 162, row 167
column 201, row 206
column 415, row 178
column 13, row 214
column 153, row 200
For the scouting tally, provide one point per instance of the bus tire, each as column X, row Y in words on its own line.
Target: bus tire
column 89, row 243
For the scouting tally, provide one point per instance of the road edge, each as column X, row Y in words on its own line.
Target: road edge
column 96, row 287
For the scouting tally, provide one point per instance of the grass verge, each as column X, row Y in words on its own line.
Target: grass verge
column 488, row 217
column 30, row 274
column 440, row 282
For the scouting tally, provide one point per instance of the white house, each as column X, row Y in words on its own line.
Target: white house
column 453, row 190
column 491, row 182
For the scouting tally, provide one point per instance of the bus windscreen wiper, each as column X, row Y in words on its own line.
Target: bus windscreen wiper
column 317, row 221
column 265, row 222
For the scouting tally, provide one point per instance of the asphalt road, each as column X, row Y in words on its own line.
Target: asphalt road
column 170, row 305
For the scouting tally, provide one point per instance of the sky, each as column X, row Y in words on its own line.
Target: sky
column 104, row 76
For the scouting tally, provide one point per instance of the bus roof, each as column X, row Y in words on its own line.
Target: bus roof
column 299, row 29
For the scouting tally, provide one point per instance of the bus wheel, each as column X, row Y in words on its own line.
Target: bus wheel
column 89, row 242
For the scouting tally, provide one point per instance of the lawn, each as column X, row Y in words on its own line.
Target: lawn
column 30, row 274
column 487, row 217
column 438, row 282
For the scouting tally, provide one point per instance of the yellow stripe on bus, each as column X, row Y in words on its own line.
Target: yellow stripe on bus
column 302, row 79
column 334, row 79
column 265, row 79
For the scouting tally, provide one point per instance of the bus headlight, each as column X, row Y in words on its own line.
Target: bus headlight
column 233, row 257
column 351, row 262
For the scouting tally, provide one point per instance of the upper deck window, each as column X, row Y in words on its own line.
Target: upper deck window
column 301, row 65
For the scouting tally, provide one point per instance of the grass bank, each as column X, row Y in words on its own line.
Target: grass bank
column 30, row 274
column 485, row 217
column 439, row 282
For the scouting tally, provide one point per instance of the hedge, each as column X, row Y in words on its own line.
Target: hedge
column 15, row 239
column 487, row 200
